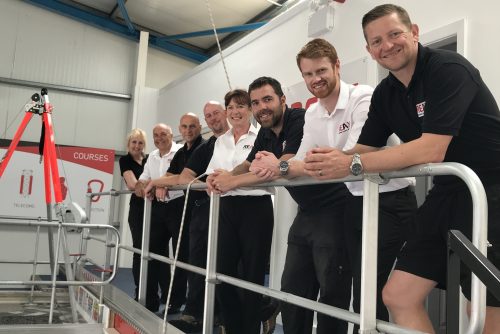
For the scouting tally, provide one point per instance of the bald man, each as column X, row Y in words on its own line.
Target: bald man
column 190, row 130
column 215, row 117
column 157, row 165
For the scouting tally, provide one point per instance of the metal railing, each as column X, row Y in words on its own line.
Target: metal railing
column 461, row 249
column 367, row 317
column 54, row 261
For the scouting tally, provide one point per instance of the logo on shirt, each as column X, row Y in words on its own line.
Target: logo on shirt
column 284, row 145
column 344, row 127
column 247, row 147
column 420, row 109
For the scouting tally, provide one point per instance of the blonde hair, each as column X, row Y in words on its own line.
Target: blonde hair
column 137, row 133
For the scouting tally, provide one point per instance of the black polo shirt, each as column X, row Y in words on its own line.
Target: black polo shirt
column 128, row 163
column 179, row 161
column 446, row 96
column 199, row 161
column 288, row 142
column 182, row 156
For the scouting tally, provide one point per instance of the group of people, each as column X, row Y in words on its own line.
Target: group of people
column 432, row 107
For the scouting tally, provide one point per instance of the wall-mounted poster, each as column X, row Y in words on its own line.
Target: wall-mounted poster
column 81, row 170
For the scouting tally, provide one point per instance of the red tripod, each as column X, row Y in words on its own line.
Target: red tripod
column 47, row 149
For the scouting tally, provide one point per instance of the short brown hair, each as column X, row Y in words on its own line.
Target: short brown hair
column 384, row 10
column 239, row 96
column 318, row 48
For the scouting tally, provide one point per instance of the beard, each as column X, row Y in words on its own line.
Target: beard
column 270, row 121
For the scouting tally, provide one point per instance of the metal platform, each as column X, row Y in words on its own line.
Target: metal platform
column 54, row 329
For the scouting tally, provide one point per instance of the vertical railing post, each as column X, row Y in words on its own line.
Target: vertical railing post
column 211, row 278
column 85, row 232
column 143, row 275
column 368, row 310
column 107, row 258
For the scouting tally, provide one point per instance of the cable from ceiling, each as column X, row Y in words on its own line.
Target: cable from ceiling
column 218, row 43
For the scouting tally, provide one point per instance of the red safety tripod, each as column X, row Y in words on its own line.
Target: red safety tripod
column 47, row 146
column 47, row 149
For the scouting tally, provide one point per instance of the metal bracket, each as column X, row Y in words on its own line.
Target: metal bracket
column 376, row 178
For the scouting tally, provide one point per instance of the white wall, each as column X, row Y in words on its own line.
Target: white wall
column 163, row 68
column 271, row 49
column 41, row 46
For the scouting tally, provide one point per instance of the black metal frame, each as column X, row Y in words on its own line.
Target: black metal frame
column 460, row 249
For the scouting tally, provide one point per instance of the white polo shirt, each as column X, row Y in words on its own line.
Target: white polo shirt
column 157, row 166
column 342, row 128
column 228, row 154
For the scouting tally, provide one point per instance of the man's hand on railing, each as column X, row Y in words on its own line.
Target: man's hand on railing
column 325, row 163
column 223, row 181
column 161, row 194
column 265, row 166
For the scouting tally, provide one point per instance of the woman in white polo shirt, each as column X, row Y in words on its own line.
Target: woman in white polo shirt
column 245, row 223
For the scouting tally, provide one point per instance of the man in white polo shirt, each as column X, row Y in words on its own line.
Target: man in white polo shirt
column 162, row 213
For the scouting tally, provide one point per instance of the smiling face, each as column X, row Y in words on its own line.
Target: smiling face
column 267, row 106
column 136, row 146
column 392, row 44
column 189, row 128
column 238, row 114
column 320, row 75
column 162, row 136
column 216, row 118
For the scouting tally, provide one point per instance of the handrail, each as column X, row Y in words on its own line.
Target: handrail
column 367, row 314
column 73, row 225
column 460, row 249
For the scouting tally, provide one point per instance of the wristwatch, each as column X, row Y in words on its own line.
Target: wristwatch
column 284, row 165
column 356, row 165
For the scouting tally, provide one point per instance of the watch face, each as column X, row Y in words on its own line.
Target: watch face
column 356, row 169
column 283, row 167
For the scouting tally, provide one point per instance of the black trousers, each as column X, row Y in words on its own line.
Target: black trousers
column 395, row 211
column 135, row 218
column 316, row 261
column 165, row 224
column 198, row 239
column 245, row 235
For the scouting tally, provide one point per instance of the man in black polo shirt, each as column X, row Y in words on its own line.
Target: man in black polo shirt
column 215, row 117
column 318, row 221
column 439, row 106
column 190, row 129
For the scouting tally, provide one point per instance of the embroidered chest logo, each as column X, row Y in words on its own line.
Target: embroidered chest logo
column 283, row 145
column 344, row 127
column 247, row 147
column 420, row 109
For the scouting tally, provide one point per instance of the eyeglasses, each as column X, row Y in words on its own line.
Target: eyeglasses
column 391, row 37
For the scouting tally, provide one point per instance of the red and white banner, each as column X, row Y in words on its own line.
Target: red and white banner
column 81, row 170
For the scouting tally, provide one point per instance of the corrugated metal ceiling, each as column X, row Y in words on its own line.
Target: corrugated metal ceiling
column 166, row 19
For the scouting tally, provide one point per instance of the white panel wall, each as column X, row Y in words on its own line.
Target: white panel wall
column 41, row 46
column 163, row 68
column 271, row 49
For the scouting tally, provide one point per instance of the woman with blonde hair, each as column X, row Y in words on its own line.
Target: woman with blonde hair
column 131, row 167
